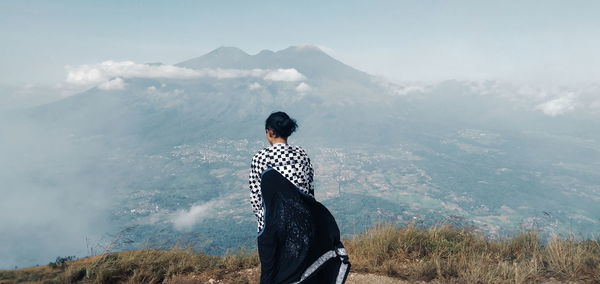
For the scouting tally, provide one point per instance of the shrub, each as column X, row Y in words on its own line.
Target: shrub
column 61, row 262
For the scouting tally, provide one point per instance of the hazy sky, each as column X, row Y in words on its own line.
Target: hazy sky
column 526, row 41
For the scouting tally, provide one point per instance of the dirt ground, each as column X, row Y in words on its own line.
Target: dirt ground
column 356, row 278
column 252, row 276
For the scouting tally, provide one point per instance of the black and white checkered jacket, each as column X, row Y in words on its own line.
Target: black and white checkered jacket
column 289, row 160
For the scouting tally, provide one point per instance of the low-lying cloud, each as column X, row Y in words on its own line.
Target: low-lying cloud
column 114, row 84
column 254, row 86
column 106, row 72
column 52, row 200
column 303, row 88
column 558, row 106
column 187, row 219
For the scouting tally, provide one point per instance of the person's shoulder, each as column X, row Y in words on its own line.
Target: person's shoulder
column 261, row 152
column 299, row 149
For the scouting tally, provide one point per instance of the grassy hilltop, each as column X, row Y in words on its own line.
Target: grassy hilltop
column 436, row 254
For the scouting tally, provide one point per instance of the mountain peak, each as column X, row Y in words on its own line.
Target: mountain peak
column 265, row 52
column 305, row 47
column 228, row 50
column 222, row 57
column 310, row 60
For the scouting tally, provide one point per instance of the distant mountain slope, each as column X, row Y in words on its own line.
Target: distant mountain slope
column 181, row 110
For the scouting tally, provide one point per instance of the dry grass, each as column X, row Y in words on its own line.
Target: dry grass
column 139, row 266
column 449, row 254
column 441, row 254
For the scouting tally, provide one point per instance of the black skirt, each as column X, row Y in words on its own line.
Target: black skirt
column 300, row 242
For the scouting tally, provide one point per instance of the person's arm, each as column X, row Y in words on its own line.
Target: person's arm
column 310, row 174
column 254, row 184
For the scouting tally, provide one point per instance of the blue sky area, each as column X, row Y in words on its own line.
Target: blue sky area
column 545, row 42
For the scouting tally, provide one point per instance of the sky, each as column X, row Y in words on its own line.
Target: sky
column 537, row 42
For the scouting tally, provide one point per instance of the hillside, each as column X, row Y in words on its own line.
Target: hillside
column 384, row 254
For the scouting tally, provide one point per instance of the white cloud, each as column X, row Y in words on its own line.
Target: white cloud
column 558, row 106
column 151, row 89
column 254, row 86
column 401, row 88
column 93, row 74
column 114, row 84
column 186, row 219
column 289, row 75
column 97, row 73
column 303, row 88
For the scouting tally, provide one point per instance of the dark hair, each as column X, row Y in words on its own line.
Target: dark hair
column 281, row 124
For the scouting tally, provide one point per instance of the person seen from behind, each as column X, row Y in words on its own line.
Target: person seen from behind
column 298, row 238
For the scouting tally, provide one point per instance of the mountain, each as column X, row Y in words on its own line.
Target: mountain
column 308, row 60
column 222, row 57
column 203, row 107
column 159, row 160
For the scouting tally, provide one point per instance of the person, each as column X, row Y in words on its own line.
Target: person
column 298, row 238
column 291, row 161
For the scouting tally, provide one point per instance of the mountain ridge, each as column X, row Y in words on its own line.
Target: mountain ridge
column 308, row 60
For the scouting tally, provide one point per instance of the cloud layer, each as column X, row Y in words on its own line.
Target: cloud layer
column 104, row 73
column 558, row 106
column 187, row 219
column 303, row 87
column 114, row 84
